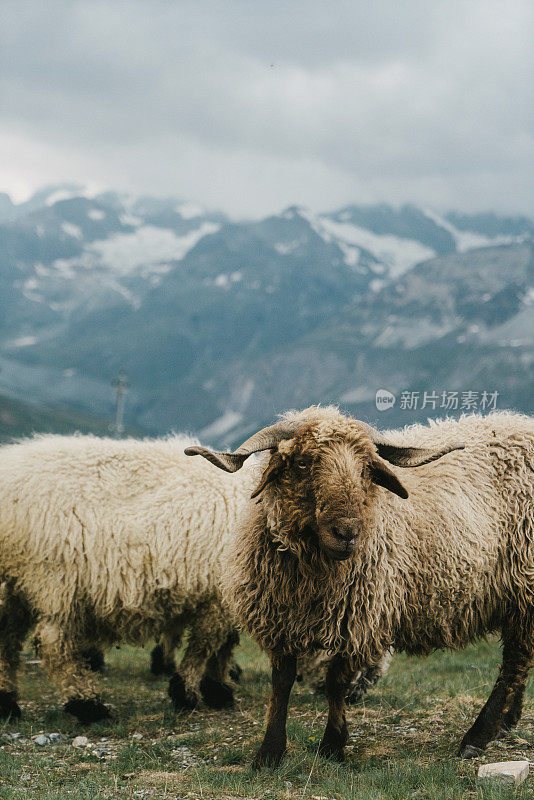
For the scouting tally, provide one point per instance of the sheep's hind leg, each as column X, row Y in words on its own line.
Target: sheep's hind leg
column 503, row 707
column 338, row 678
column 94, row 658
column 273, row 747
column 75, row 682
column 367, row 678
column 162, row 656
column 235, row 672
column 208, row 631
column 14, row 624
column 214, row 686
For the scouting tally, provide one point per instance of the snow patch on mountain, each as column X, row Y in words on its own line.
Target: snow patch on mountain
column 23, row 341
column 467, row 240
column 225, row 280
column 315, row 224
column 285, row 248
column 398, row 254
column 226, row 422
column 96, row 214
column 72, row 230
column 64, row 194
column 360, row 394
column 127, row 253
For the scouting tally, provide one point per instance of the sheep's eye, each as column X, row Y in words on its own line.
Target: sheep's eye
column 302, row 464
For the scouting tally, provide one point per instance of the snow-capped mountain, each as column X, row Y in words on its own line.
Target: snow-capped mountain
column 219, row 324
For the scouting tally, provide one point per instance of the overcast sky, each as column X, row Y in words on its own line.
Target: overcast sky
column 252, row 106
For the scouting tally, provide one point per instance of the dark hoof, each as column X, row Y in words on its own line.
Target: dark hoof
column 267, row 758
column 469, row 751
column 235, row 672
column 216, row 694
column 87, row 711
column 9, row 708
column 159, row 665
column 94, row 658
column 182, row 699
column 331, row 751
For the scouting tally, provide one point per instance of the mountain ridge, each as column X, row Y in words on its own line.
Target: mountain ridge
column 204, row 313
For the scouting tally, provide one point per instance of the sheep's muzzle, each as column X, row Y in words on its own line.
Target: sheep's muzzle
column 338, row 537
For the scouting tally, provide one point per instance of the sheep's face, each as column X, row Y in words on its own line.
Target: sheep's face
column 321, row 486
column 321, row 478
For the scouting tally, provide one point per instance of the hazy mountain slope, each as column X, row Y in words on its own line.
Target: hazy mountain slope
column 462, row 322
column 220, row 324
column 23, row 419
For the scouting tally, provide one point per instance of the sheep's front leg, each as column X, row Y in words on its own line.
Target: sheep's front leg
column 273, row 747
column 76, row 684
column 338, row 678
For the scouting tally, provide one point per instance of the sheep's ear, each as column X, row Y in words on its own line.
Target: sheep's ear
column 273, row 468
column 383, row 476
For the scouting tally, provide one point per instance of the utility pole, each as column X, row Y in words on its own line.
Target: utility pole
column 121, row 385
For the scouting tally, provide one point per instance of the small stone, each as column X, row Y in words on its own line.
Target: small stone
column 514, row 771
column 101, row 752
column 80, row 741
column 55, row 737
column 137, row 735
column 41, row 739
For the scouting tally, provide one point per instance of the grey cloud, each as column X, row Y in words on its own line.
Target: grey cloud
column 253, row 106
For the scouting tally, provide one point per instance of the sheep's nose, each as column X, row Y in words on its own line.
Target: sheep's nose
column 345, row 529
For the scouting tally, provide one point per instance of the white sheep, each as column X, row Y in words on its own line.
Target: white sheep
column 103, row 541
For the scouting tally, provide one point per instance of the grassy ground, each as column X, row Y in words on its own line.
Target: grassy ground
column 402, row 744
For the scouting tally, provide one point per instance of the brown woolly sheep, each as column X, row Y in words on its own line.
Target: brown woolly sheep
column 343, row 554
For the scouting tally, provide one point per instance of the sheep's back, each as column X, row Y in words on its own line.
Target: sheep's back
column 115, row 524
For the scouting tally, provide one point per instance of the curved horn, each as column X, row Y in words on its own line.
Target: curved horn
column 409, row 456
column 266, row 439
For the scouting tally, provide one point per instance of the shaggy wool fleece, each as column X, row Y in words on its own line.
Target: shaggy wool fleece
column 104, row 540
column 434, row 570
